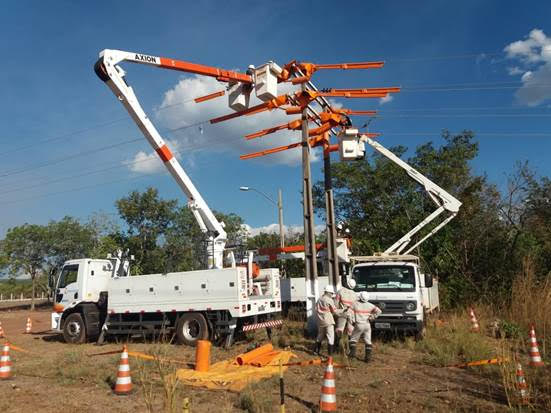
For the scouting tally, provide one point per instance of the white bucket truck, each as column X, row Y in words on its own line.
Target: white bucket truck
column 394, row 279
column 95, row 297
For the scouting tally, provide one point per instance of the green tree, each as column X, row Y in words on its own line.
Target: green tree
column 147, row 218
column 69, row 239
column 25, row 251
column 380, row 203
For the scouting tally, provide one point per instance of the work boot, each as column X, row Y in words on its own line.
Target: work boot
column 367, row 358
column 337, row 341
column 352, row 353
column 330, row 349
column 317, row 348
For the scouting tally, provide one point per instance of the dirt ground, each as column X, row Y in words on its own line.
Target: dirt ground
column 60, row 377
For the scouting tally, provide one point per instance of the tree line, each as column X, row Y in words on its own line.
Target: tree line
column 476, row 256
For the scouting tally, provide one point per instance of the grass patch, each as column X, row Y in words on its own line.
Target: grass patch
column 454, row 343
column 258, row 397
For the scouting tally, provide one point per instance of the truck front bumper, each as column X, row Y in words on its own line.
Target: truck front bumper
column 397, row 324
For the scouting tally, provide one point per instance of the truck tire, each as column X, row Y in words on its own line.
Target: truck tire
column 74, row 329
column 190, row 328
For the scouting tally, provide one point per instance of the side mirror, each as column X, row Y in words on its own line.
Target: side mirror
column 51, row 278
column 428, row 280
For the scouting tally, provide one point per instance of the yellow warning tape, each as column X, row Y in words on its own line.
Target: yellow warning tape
column 13, row 347
column 150, row 357
column 497, row 360
column 141, row 355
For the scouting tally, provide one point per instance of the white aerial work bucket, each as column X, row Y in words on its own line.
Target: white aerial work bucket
column 239, row 96
column 266, row 81
column 351, row 145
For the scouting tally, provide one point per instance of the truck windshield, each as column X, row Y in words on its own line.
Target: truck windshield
column 68, row 275
column 384, row 277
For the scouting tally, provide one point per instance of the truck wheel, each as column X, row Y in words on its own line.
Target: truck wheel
column 190, row 328
column 74, row 329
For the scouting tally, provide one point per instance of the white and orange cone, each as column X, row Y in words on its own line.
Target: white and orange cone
column 475, row 327
column 1, row 331
column 5, row 362
column 123, row 385
column 535, row 356
column 521, row 385
column 29, row 326
column 328, row 401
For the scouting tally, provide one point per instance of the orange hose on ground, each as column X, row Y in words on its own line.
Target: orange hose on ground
column 202, row 355
column 251, row 355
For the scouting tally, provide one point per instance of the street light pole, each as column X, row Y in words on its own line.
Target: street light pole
column 278, row 204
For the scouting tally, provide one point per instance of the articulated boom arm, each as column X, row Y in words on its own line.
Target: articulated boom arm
column 110, row 72
column 443, row 200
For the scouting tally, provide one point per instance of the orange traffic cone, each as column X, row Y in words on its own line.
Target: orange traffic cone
column 5, row 363
column 29, row 326
column 1, row 331
column 475, row 327
column 123, row 385
column 521, row 385
column 535, row 357
column 328, row 401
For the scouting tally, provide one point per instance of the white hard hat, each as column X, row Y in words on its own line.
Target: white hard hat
column 351, row 283
column 329, row 289
column 364, row 296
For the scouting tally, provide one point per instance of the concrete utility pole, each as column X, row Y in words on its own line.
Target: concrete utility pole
column 311, row 269
column 332, row 261
column 280, row 210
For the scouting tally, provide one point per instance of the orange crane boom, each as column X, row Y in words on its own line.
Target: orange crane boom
column 308, row 69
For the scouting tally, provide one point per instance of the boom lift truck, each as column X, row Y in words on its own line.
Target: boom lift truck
column 96, row 297
column 394, row 278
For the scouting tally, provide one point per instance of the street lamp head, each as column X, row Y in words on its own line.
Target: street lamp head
column 244, row 188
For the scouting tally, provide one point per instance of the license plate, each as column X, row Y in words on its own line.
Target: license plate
column 382, row 325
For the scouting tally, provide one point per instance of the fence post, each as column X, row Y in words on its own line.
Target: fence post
column 11, row 296
column 21, row 297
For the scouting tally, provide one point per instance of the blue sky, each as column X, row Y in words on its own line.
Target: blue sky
column 64, row 145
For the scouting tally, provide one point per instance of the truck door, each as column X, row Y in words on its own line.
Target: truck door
column 67, row 287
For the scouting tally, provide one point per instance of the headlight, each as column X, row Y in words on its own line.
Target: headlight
column 410, row 306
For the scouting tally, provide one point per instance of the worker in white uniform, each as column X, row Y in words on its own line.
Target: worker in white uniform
column 346, row 297
column 325, row 311
column 364, row 311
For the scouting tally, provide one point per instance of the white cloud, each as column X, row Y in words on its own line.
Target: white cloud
column 179, row 113
column 386, row 99
column 274, row 229
column 149, row 163
column 533, row 55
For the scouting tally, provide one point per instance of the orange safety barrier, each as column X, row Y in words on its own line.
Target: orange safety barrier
column 248, row 358
column 202, row 355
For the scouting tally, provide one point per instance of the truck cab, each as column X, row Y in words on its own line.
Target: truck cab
column 397, row 285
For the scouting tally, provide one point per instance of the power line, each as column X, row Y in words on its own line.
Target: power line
column 119, row 165
column 88, row 152
column 445, row 57
column 88, row 129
